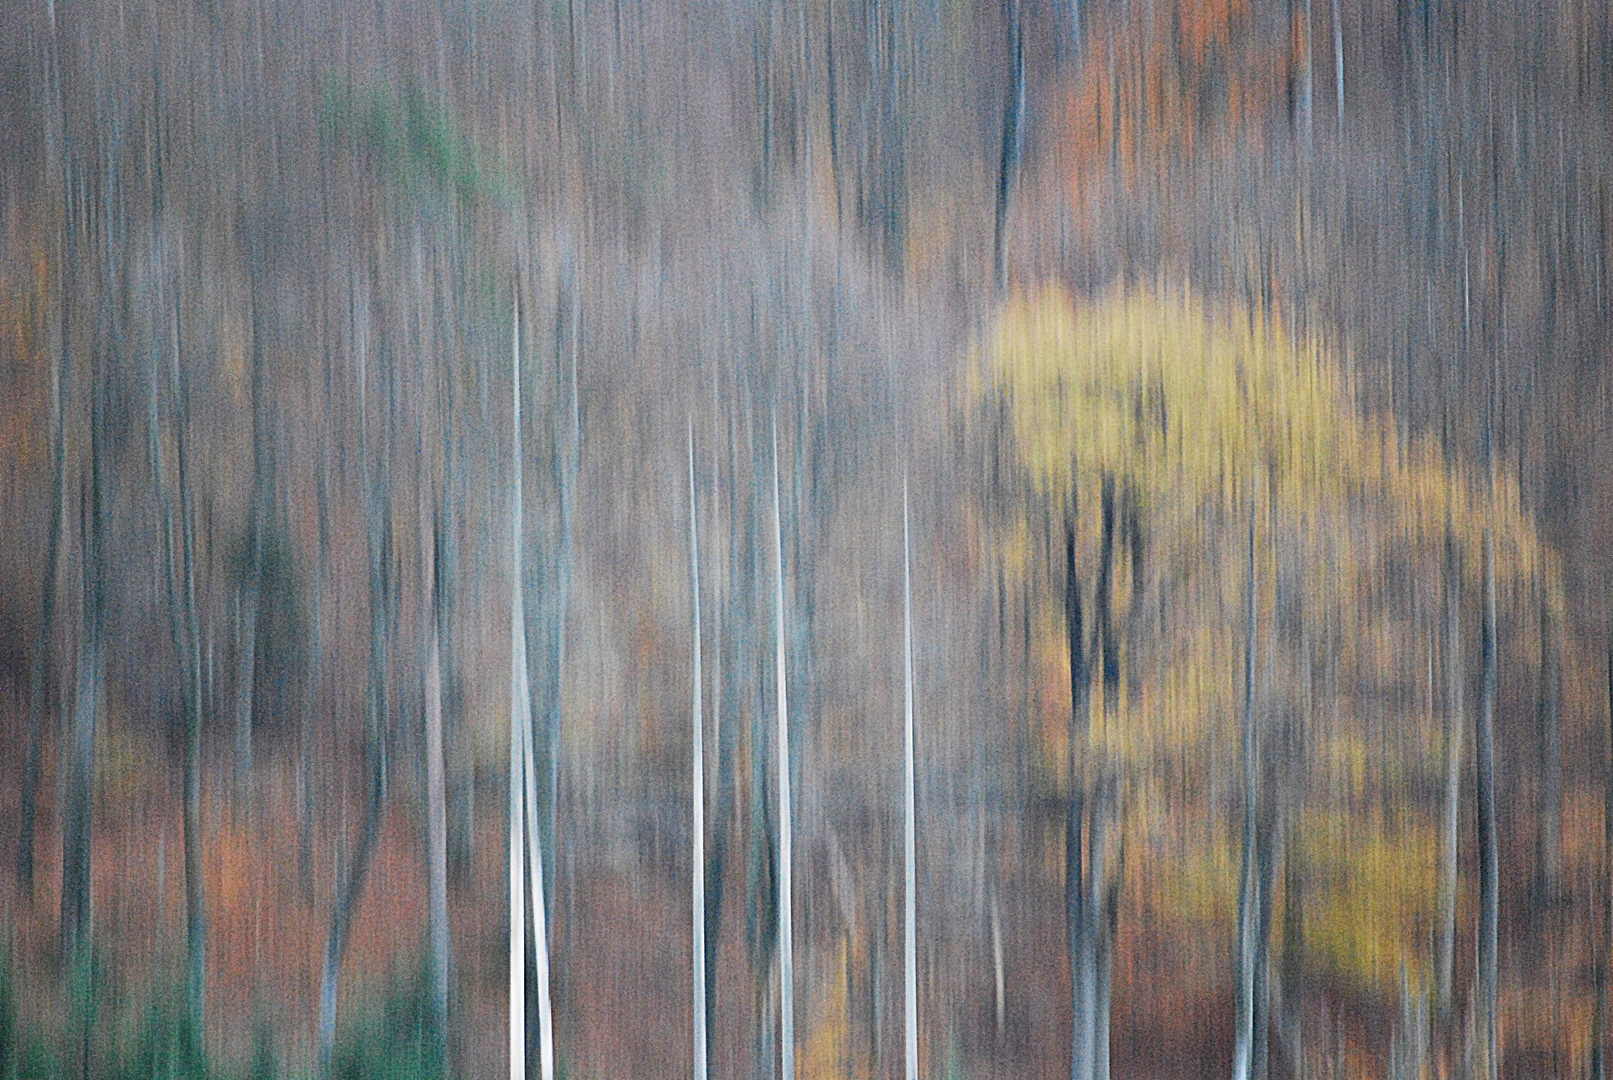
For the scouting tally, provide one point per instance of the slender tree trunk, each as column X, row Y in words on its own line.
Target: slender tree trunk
column 349, row 891
column 725, row 704
column 1013, row 124
column 540, row 921
column 38, row 681
column 57, row 161
column 316, row 667
column 697, row 865
column 1095, row 950
column 1489, row 878
column 1264, row 888
column 247, row 596
column 523, row 796
column 909, row 939
column 786, row 957
column 1109, row 654
column 1600, row 1049
column 1075, row 900
column 1548, row 837
column 1454, row 726
column 77, row 827
column 520, row 719
column 1291, row 1000
column 566, row 462
column 436, row 806
column 246, row 676
column 1249, row 887
column 187, row 640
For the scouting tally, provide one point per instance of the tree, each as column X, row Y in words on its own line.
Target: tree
column 523, row 796
column 786, row 952
column 909, row 917
column 1152, row 399
column 39, row 677
column 436, row 807
column 179, row 579
column 378, row 518
column 697, row 797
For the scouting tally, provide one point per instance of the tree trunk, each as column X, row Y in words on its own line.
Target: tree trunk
column 1489, row 879
column 76, row 827
column 1008, row 160
column 1548, row 836
column 436, row 807
column 316, row 665
column 246, row 622
column 79, row 797
column 1075, row 914
column 697, row 865
column 187, row 641
column 1600, row 1049
column 39, row 679
column 1454, row 726
column 56, row 163
column 377, row 511
column 909, row 940
column 786, row 951
column 247, row 596
column 1249, row 886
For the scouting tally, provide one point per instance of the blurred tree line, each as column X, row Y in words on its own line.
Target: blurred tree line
column 1247, row 362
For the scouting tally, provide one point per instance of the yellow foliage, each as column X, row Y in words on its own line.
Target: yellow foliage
column 1369, row 904
column 1184, row 406
column 1211, row 424
column 827, row 1052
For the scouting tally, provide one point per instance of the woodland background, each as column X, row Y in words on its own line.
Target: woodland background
column 1247, row 363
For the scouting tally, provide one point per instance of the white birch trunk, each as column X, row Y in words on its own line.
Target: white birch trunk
column 697, row 872
column 520, row 716
column 786, row 958
column 909, row 943
column 523, row 797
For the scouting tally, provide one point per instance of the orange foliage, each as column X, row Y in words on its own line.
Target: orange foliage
column 1160, row 82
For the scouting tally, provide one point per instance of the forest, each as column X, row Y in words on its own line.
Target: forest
column 806, row 538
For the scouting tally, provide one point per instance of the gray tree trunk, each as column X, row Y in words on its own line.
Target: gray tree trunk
column 1454, row 726
column 38, row 680
column 436, row 806
column 1489, row 877
column 1012, row 132
column 377, row 506
column 1548, row 839
column 697, row 874
column 520, row 720
column 909, row 940
column 786, row 951
column 1075, row 899
column 1249, row 886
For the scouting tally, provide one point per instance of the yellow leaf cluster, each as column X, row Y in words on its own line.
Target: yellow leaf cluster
column 1212, row 424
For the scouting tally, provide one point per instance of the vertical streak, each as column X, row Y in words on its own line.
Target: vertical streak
column 1249, row 890
column 698, row 801
column 786, row 958
column 540, row 922
column 909, row 944
column 1454, row 726
column 520, row 712
column 1489, row 881
column 1338, row 69
column 521, row 766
